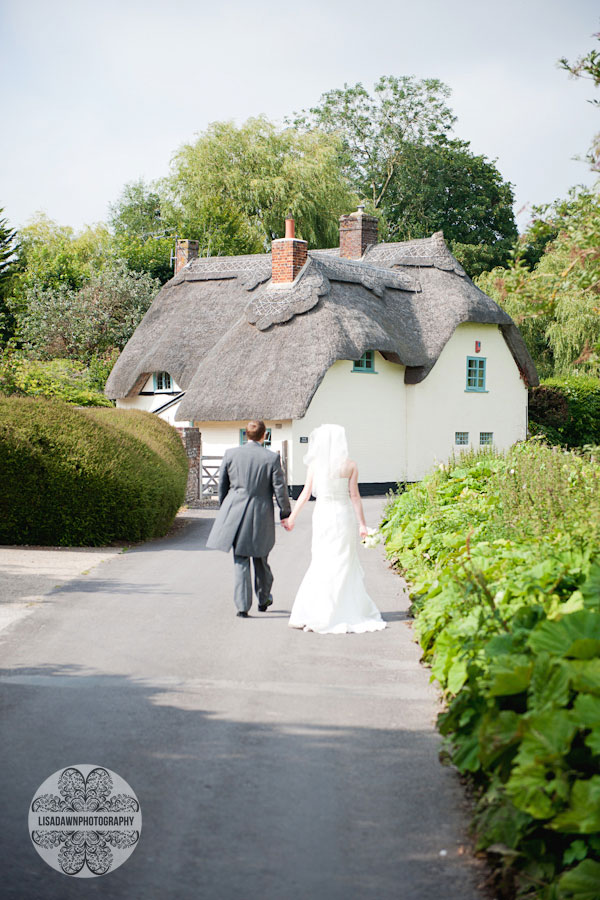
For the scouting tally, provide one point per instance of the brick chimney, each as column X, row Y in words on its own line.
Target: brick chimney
column 288, row 255
column 184, row 252
column 357, row 231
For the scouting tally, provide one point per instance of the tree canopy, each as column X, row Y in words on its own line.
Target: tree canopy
column 233, row 187
column 556, row 303
column 398, row 153
column 89, row 321
column 141, row 234
column 8, row 249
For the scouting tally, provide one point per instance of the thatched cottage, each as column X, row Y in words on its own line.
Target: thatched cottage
column 393, row 341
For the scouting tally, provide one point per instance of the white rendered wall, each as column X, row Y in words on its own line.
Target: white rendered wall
column 217, row 437
column 395, row 432
column 371, row 407
column 440, row 406
column 150, row 401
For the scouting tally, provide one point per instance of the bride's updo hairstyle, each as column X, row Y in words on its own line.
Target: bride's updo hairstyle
column 327, row 450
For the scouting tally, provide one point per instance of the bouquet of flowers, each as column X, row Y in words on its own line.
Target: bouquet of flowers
column 372, row 538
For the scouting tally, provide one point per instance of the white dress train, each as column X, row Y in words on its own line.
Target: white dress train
column 332, row 598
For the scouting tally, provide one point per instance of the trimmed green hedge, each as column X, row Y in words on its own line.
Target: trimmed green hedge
column 86, row 477
column 566, row 410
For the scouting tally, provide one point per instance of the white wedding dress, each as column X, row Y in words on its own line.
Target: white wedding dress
column 332, row 598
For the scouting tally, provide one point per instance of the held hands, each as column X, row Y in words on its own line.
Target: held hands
column 287, row 524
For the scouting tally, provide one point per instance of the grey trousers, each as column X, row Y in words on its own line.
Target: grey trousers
column 263, row 581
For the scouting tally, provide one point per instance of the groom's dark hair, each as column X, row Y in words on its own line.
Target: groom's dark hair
column 255, row 430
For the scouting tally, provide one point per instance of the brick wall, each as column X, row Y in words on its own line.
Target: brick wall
column 192, row 441
column 357, row 231
column 288, row 255
column 184, row 252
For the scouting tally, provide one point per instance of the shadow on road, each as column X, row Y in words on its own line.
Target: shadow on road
column 252, row 805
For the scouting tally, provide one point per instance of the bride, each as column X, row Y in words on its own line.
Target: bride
column 332, row 598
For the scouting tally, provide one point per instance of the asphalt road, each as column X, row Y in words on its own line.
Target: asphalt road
column 269, row 763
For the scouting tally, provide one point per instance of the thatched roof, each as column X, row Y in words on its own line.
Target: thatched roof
column 241, row 347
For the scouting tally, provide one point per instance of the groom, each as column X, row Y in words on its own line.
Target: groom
column 249, row 477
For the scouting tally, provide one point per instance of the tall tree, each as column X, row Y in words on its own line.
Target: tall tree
column 378, row 131
column 233, row 187
column 8, row 249
column 89, row 321
column 398, row 153
column 142, row 236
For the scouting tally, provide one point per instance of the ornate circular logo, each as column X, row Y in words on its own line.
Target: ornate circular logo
column 85, row 821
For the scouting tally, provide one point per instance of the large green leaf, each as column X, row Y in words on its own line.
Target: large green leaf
column 583, row 813
column 498, row 731
column 581, row 883
column 549, row 683
column 457, row 675
column 587, row 710
column 466, row 755
column 576, row 635
column 537, row 790
column 547, row 738
column 509, row 674
column 584, row 675
column 591, row 587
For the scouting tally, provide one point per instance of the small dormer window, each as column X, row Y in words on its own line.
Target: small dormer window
column 162, row 382
column 366, row 363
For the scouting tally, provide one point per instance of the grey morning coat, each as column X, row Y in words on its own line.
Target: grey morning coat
column 249, row 477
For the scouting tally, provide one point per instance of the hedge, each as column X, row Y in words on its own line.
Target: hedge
column 503, row 555
column 86, row 477
column 566, row 410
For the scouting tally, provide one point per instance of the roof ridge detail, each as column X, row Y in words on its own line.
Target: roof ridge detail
column 431, row 251
column 275, row 304
column 251, row 270
column 375, row 278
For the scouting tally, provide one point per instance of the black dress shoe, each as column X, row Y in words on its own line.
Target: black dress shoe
column 263, row 607
column 243, row 614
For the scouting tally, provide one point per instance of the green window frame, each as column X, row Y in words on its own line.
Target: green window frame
column 366, row 363
column 486, row 438
column 163, row 383
column 244, row 437
column 461, row 438
column 476, row 373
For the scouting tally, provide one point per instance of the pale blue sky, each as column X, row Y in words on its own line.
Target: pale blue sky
column 97, row 94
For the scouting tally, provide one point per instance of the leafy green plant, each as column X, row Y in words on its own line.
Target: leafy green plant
column 503, row 554
column 566, row 410
column 63, row 379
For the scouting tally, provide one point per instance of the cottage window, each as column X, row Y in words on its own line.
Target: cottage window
column 486, row 438
column 366, row 363
column 461, row 438
column 162, row 382
column 475, row 373
column 244, row 437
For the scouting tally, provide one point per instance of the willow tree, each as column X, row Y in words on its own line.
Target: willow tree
column 232, row 188
column 557, row 303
